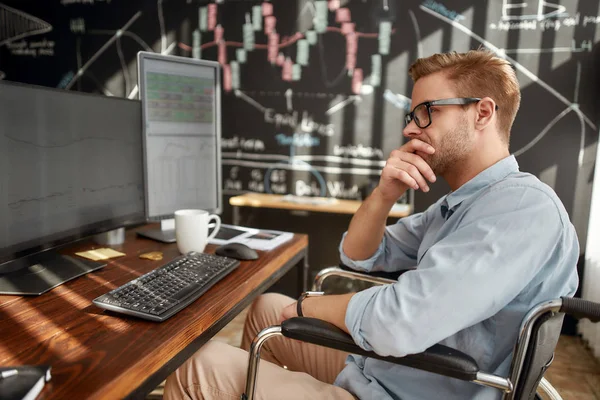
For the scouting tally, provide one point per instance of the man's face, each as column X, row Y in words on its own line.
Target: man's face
column 451, row 133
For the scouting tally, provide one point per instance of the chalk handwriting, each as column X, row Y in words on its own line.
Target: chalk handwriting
column 590, row 19
column 256, row 186
column 233, row 172
column 309, row 125
column 291, row 119
column 256, row 174
column 357, row 151
column 241, row 143
column 523, row 25
column 32, row 48
column 77, row 25
column 307, row 189
column 297, row 140
column 278, row 175
column 279, row 188
column 546, row 24
column 279, row 120
column 338, row 189
column 231, row 184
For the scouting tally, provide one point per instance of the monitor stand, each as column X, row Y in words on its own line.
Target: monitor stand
column 165, row 234
column 40, row 272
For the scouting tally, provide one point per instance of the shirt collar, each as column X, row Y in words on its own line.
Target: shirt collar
column 490, row 175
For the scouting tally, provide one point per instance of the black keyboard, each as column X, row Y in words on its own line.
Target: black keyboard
column 163, row 292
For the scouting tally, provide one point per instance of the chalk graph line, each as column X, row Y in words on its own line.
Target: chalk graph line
column 328, row 84
column 161, row 22
column 135, row 90
column 543, row 132
column 89, row 74
column 303, row 167
column 250, row 100
column 123, row 62
column 337, row 107
column 132, row 35
column 102, row 50
column 284, row 43
column 334, row 159
column 413, row 18
column 93, row 78
column 126, row 76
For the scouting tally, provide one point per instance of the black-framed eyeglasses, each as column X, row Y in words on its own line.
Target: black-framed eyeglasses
column 421, row 114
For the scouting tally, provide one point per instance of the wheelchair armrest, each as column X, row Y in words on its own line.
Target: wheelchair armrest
column 438, row 359
column 580, row 308
column 378, row 274
column 347, row 273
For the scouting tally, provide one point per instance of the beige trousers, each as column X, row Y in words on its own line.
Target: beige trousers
column 218, row 371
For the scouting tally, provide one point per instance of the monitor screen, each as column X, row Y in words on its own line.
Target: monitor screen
column 181, row 122
column 71, row 165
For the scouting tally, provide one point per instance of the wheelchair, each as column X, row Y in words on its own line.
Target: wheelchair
column 532, row 355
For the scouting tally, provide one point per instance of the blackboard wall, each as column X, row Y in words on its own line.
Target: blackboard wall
column 317, row 109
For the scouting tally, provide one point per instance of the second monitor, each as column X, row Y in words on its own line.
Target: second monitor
column 182, row 137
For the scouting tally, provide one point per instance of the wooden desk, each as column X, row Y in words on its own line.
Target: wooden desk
column 320, row 204
column 96, row 354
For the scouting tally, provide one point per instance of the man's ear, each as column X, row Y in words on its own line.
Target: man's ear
column 485, row 109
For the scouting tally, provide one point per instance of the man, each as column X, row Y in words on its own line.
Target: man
column 496, row 245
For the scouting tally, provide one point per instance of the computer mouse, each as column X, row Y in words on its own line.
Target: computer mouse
column 239, row 251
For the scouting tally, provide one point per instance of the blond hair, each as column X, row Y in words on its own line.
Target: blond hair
column 477, row 73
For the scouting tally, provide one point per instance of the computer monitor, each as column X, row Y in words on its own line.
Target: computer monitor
column 181, row 111
column 70, row 167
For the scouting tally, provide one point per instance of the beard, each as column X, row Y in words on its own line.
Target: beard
column 453, row 147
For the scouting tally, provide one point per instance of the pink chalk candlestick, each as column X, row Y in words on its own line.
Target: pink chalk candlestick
column 267, row 9
column 286, row 72
column 348, row 27
column 351, row 49
column 270, row 23
column 222, row 57
column 212, row 16
column 219, row 33
column 333, row 5
column 357, row 80
column 227, row 78
column 273, row 48
column 280, row 59
column 342, row 15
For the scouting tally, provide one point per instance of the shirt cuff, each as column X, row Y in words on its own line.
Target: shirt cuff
column 361, row 265
column 355, row 312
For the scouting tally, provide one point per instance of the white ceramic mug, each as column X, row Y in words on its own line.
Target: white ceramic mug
column 191, row 229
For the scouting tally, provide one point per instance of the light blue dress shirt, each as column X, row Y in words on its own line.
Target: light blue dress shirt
column 485, row 254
